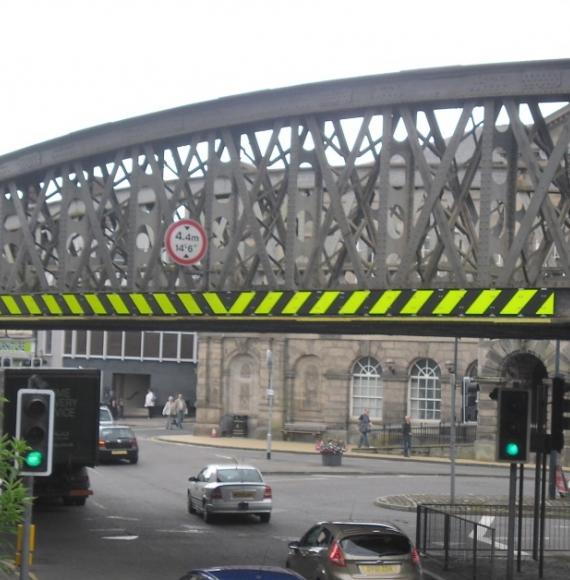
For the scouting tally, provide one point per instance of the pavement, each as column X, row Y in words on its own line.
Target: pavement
column 555, row 566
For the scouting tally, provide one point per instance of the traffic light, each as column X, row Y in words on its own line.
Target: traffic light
column 513, row 425
column 34, row 425
column 560, row 406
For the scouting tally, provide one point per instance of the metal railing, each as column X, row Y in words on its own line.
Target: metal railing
column 472, row 537
column 423, row 434
column 456, row 542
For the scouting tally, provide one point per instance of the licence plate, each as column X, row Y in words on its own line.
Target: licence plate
column 373, row 569
column 243, row 494
column 118, row 452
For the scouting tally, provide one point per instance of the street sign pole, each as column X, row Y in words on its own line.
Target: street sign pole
column 28, row 481
column 511, row 521
column 269, row 400
column 452, row 450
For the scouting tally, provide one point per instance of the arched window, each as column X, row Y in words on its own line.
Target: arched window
column 367, row 387
column 425, row 390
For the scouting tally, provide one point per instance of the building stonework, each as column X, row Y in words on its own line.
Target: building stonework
column 312, row 379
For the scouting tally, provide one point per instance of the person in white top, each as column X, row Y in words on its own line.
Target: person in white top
column 149, row 401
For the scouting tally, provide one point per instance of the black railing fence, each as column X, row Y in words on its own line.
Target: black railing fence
column 456, row 542
column 423, row 434
column 472, row 537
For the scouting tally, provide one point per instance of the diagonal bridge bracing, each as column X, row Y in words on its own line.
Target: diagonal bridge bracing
column 444, row 180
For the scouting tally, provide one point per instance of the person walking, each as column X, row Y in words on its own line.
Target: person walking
column 149, row 402
column 169, row 411
column 181, row 410
column 364, row 426
column 407, row 435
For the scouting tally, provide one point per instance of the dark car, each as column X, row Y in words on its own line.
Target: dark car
column 242, row 573
column 345, row 550
column 117, row 442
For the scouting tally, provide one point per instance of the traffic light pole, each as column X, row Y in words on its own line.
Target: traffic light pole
column 28, row 481
column 511, row 521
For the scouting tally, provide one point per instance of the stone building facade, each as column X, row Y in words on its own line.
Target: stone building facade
column 326, row 380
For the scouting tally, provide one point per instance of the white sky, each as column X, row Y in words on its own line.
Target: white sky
column 70, row 64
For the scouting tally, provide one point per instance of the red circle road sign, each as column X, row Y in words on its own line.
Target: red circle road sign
column 185, row 242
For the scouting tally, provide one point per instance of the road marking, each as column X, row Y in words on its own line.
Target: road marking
column 121, row 538
column 97, row 504
column 481, row 533
column 123, row 518
column 188, row 531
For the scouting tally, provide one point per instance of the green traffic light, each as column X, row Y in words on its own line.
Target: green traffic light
column 34, row 458
column 512, row 449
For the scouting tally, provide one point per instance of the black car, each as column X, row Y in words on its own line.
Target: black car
column 117, row 442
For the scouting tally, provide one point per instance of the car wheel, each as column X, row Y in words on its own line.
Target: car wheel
column 191, row 509
column 80, row 501
column 135, row 460
column 264, row 518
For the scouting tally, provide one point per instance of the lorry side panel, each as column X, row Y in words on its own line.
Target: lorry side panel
column 77, row 398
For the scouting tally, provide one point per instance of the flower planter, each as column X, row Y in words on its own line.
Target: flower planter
column 331, row 460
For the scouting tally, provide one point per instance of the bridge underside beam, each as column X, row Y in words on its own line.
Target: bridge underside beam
column 520, row 313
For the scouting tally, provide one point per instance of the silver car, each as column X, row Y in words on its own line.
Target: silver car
column 347, row 550
column 229, row 489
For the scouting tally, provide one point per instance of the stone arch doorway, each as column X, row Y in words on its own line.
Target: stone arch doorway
column 243, row 381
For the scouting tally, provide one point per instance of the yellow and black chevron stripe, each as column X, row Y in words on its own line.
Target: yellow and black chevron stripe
column 500, row 304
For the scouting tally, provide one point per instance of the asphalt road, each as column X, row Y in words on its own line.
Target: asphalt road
column 136, row 525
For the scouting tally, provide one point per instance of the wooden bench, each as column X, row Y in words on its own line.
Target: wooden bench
column 313, row 429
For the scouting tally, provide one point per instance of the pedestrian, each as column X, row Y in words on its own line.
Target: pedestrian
column 149, row 402
column 407, row 435
column 114, row 404
column 169, row 411
column 364, row 426
column 181, row 410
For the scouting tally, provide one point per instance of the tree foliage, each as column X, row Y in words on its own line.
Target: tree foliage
column 13, row 493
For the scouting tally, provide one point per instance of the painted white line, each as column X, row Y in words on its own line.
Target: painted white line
column 123, row 518
column 189, row 531
column 97, row 504
column 481, row 534
column 108, row 530
column 121, row 538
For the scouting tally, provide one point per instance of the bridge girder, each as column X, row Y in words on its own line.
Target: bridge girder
column 438, row 179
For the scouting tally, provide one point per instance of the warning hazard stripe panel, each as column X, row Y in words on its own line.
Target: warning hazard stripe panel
column 501, row 304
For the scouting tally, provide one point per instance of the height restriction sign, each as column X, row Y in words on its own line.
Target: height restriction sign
column 185, row 242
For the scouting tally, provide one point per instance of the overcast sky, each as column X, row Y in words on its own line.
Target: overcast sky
column 70, row 64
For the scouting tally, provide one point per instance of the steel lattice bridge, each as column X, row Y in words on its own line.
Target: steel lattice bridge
column 423, row 202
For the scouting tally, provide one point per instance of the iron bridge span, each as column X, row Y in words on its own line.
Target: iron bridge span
column 422, row 202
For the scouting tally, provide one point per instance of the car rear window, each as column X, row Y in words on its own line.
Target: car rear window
column 239, row 476
column 105, row 415
column 376, row 545
column 117, row 434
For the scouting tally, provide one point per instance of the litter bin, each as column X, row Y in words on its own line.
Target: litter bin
column 239, row 426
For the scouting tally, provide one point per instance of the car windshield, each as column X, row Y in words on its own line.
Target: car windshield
column 117, row 433
column 376, row 545
column 105, row 415
column 239, row 475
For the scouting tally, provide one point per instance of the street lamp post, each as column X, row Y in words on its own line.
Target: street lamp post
column 270, row 394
